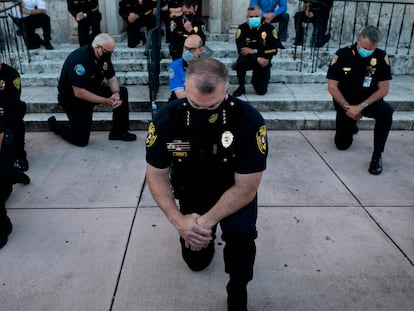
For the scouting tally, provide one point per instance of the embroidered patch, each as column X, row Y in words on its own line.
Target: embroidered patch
column 334, row 60
column 261, row 139
column 80, row 70
column 151, row 136
column 17, row 83
column 238, row 33
column 274, row 33
column 2, row 85
column 386, row 60
column 171, row 73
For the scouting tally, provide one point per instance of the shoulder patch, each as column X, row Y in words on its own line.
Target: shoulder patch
column 17, row 83
column 274, row 33
column 172, row 26
column 151, row 136
column 386, row 60
column 2, row 85
column 171, row 73
column 238, row 33
column 80, row 70
column 261, row 139
column 334, row 60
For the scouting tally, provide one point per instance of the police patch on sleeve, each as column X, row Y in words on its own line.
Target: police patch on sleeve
column 386, row 60
column 238, row 33
column 17, row 83
column 261, row 139
column 274, row 33
column 334, row 60
column 171, row 73
column 151, row 136
column 79, row 70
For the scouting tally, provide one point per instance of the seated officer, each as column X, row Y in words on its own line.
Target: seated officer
column 88, row 17
column 32, row 15
column 193, row 48
column 257, row 42
column 80, row 89
column 183, row 26
column 317, row 13
column 137, row 14
column 14, row 111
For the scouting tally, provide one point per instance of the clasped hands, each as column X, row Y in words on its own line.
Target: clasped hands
column 114, row 101
column 354, row 111
column 196, row 237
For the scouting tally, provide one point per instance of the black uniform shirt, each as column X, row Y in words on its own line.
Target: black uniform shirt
column 179, row 34
column 10, row 87
column 205, row 151
column 83, row 70
column 133, row 6
column 358, row 77
column 85, row 6
column 264, row 39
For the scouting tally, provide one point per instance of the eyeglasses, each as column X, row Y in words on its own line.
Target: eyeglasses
column 105, row 51
column 191, row 49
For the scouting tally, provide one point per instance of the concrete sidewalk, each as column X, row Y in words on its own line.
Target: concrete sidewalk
column 88, row 236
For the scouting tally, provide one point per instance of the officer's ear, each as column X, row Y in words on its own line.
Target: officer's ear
column 227, row 91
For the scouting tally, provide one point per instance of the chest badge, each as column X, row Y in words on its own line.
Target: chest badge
column 373, row 62
column 227, row 139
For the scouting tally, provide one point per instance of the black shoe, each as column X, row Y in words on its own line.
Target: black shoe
column 21, row 164
column 143, row 39
column 47, row 45
column 5, row 230
column 52, row 124
column 324, row 40
column 18, row 177
column 375, row 167
column 239, row 91
column 356, row 130
column 124, row 136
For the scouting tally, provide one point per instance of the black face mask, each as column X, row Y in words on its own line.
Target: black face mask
column 106, row 57
column 188, row 17
column 205, row 117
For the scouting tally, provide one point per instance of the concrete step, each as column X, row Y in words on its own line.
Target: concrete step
column 281, row 120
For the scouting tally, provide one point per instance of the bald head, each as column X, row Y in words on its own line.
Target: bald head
column 105, row 40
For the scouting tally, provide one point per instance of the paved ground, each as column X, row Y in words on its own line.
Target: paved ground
column 87, row 235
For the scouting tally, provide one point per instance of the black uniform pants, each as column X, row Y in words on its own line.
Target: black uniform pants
column 239, row 234
column 283, row 20
column 320, row 25
column 80, row 112
column 38, row 21
column 89, row 27
column 260, row 76
column 7, row 157
column 134, row 29
column 381, row 111
column 13, row 120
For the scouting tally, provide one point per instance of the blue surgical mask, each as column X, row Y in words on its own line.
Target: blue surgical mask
column 188, row 56
column 364, row 52
column 254, row 22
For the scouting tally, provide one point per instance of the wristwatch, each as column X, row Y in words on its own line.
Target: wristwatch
column 364, row 104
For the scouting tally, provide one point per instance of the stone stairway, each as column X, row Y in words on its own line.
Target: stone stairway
column 295, row 100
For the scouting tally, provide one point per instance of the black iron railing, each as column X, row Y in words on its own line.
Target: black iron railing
column 395, row 19
column 12, row 43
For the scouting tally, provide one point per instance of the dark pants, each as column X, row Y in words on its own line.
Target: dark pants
column 260, row 76
column 80, row 112
column 239, row 233
column 134, row 29
column 7, row 158
column 37, row 21
column 13, row 120
column 89, row 27
column 283, row 20
column 381, row 111
column 320, row 25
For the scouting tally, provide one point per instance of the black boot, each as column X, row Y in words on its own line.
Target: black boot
column 239, row 91
column 375, row 167
column 236, row 296
column 6, row 228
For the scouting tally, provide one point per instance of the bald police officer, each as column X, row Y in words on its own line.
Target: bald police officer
column 209, row 150
column 80, row 88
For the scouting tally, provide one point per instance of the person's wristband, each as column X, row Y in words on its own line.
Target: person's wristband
column 364, row 104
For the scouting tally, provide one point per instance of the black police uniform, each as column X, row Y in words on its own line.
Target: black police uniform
column 5, row 190
column 358, row 78
column 14, row 109
column 90, row 26
column 179, row 34
column 146, row 18
column 320, row 9
column 82, row 69
column 265, row 41
column 204, row 149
